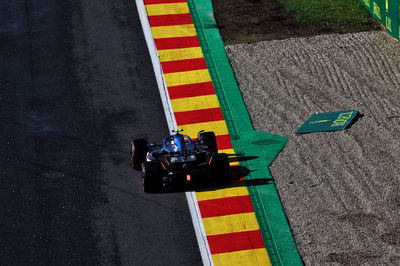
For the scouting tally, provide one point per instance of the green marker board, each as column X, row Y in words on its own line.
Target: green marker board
column 386, row 12
column 328, row 122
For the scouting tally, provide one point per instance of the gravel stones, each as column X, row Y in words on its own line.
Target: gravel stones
column 340, row 190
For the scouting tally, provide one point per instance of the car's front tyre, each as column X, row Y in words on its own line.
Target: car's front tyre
column 139, row 149
column 209, row 139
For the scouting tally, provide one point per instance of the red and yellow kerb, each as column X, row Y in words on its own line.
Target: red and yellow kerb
column 228, row 216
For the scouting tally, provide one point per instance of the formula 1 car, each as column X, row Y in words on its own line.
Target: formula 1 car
column 179, row 160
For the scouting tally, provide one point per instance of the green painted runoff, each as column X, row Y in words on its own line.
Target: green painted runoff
column 256, row 149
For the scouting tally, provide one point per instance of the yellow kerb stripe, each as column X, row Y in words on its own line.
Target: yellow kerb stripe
column 195, row 103
column 167, row 9
column 173, row 31
column 230, row 223
column 230, row 191
column 180, row 54
column 187, row 77
column 250, row 257
column 230, row 152
column 214, row 225
column 234, row 163
column 219, row 128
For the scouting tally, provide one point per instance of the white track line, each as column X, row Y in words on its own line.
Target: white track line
column 190, row 196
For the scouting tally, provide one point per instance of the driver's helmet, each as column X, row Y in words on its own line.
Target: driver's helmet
column 179, row 142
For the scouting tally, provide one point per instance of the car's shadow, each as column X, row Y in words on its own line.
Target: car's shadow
column 239, row 178
column 240, row 157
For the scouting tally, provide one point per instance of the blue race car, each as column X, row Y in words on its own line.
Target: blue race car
column 179, row 160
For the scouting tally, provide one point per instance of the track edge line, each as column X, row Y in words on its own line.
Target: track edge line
column 190, row 196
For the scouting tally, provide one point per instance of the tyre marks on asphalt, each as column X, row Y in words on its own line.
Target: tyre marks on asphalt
column 228, row 216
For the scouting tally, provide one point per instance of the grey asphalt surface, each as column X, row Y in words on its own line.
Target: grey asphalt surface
column 76, row 85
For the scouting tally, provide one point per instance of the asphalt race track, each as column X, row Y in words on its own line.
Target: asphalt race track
column 76, row 85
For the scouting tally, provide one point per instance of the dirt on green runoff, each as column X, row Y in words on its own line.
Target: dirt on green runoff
column 248, row 21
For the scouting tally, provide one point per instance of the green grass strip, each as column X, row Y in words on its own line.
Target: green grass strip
column 258, row 147
column 338, row 15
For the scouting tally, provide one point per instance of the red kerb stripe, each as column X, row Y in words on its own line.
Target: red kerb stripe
column 224, row 142
column 170, row 20
column 191, row 90
column 154, row 2
column 225, row 206
column 177, row 42
column 198, row 116
column 183, row 65
column 235, row 242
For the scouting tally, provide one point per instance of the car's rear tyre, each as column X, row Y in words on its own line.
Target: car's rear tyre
column 221, row 168
column 209, row 139
column 151, row 176
column 139, row 149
